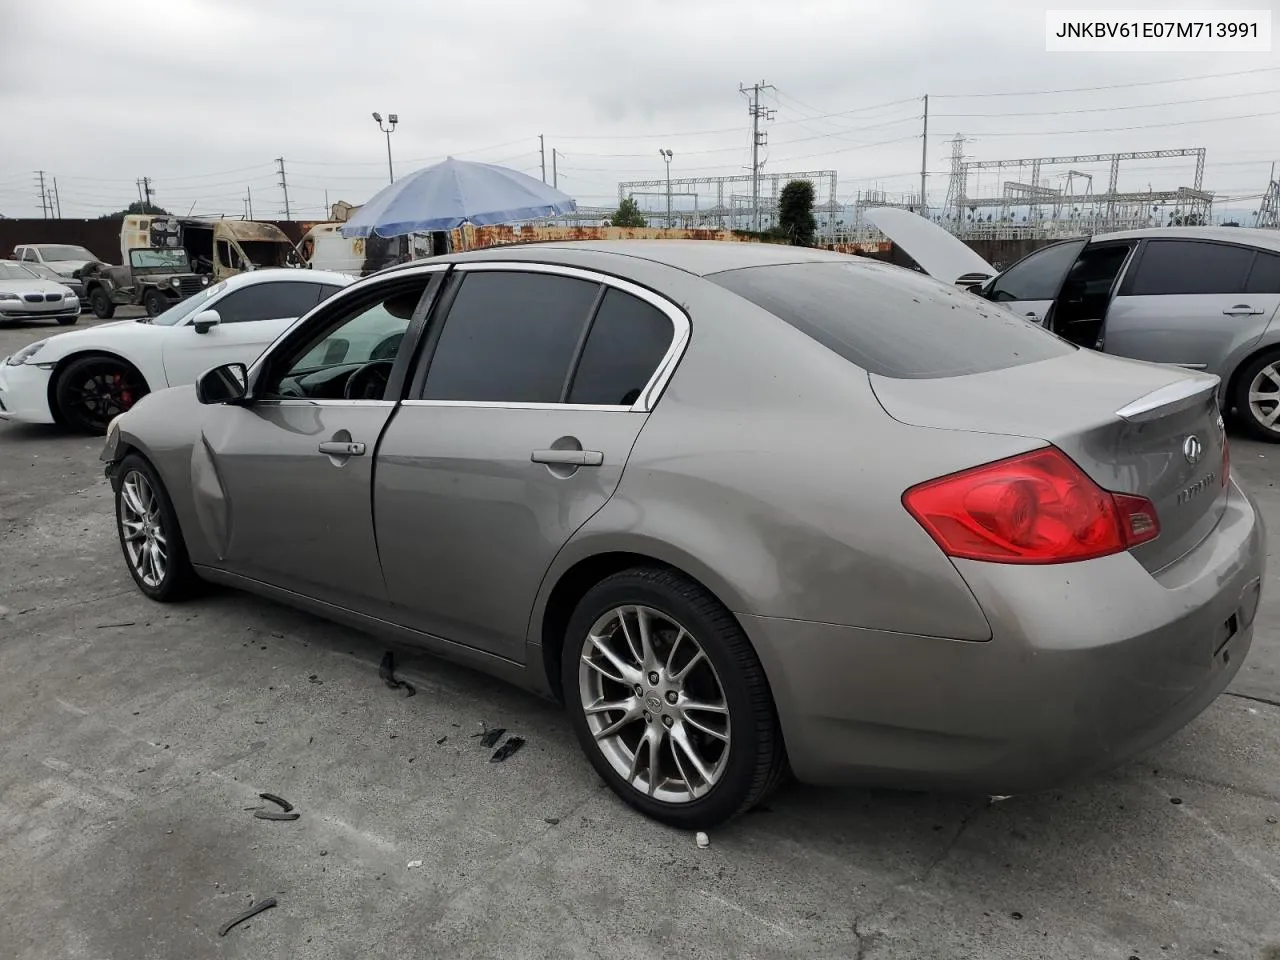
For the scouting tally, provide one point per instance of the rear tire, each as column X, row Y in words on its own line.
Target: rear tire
column 150, row 538
column 101, row 304
column 699, row 707
column 93, row 389
column 154, row 302
column 1257, row 399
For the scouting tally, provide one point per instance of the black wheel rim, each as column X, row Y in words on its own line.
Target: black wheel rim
column 103, row 391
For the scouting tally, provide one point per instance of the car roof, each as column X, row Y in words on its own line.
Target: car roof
column 269, row 274
column 1250, row 236
column 699, row 257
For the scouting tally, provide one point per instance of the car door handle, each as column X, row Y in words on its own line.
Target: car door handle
column 342, row 448
column 1241, row 310
column 575, row 458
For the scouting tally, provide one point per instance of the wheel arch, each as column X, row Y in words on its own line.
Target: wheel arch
column 1231, row 383
column 571, row 585
column 61, row 365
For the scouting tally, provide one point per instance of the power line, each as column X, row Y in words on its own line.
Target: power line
column 1143, row 126
column 1136, row 106
column 1105, row 86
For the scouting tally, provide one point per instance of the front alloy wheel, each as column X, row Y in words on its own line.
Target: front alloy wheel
column 654, row 704
column 1257, row 399
column 149, row 535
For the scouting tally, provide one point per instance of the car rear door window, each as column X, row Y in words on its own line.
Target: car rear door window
column 1190, row 267
column 893, row 322
column 267, row 301
column 509, row 337
column 1265, row 275
column 1037, row 276
column 628, row 340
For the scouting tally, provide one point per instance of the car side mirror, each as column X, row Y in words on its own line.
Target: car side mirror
column 228, row 383
column 206, row 320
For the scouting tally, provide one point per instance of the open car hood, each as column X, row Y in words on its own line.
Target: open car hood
column 940, row 254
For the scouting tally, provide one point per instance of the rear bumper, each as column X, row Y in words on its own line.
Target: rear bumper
column 1089, row 665
column 24, row 393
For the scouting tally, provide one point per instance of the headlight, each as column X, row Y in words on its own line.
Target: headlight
column 26, row 353
column 71, row 295
column 173, row 281
column 9, row 296
column 204, row 281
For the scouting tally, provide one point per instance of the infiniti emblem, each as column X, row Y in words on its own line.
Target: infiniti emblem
column 654, row 704
column 1192, row 449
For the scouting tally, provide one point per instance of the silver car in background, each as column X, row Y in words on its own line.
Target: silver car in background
column 743, row 508
column 1205, row 298
column 26, row 296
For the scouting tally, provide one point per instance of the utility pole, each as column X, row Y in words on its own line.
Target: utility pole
column 327, row 210
column 144, row 193
column 924, row 159
column 555, row 177
column 44, row 197
column 542, row 152
column 284, row 185
column 56, row 200
column 138, row 184
column 666, row 156
column 758, row 140
column 248, row 201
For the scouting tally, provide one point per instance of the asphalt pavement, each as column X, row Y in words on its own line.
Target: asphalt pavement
column 136, row 738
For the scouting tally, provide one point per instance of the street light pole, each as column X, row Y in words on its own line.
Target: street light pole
column 666, row 155
column 392, row 119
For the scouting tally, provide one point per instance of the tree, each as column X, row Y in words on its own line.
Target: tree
column 628, row 215
column 795, row 213
column 136, row 207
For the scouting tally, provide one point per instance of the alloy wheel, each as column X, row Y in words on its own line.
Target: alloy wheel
column 104, row 391
column 142, row 531
column 1264, row 397
column 654, row 704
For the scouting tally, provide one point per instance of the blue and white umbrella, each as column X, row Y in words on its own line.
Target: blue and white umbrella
column 452, row 193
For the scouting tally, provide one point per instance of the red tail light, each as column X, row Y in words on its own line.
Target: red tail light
column 1037, row 507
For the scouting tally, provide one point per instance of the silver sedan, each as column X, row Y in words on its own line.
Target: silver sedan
column 743, row 508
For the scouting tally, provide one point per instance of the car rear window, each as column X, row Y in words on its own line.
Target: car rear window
column 894, row 322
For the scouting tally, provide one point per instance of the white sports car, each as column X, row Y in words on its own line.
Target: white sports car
column 84, row 378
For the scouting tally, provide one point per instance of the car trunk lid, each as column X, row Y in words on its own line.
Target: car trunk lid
column 1133, row 427
column 939, row 254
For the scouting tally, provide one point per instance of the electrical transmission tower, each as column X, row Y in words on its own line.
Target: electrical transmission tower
column 144, row 193
column 284, row 185
column 44, row 195
column 758, row 140
column 957, row 188
column 1269, row 211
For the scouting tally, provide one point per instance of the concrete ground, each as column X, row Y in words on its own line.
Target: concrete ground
column 136, row 735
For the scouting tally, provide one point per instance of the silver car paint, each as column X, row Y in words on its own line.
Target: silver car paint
column 769, row 471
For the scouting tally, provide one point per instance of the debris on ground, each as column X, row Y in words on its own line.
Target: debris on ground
column 413, row 863
column 314, row 678
column 490, row 738
column 1175, row 800
column 702, row 840
column 275, row 815
column 108, row 626
column 286, row 811
column 280, row 802
column 442, row 740
column 1016, row 915
column 1272, row 820
column 387, row 671
column 551, row 820
column 249, row 914
column 507, row 749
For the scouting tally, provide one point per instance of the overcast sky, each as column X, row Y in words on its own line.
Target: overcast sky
column 203, row 95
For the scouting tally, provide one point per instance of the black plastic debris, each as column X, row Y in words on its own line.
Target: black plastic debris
column 1175, row 800
column 286, row 811
column 1016, row 915
column 442, row 740
column 507, row 749
column 280, row 802
column 257, row 908
column 313, row 678
column 387, row 671
column 551, row 820
column 490, row 738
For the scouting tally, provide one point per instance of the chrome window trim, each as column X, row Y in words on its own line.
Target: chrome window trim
column 662, row 373
column 328, row 402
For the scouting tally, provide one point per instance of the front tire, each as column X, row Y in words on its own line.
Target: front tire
column 150, row 538
column 100, row 302
column 154, row 302
column 669, row 700
column 93, row 389
column 1257, row 399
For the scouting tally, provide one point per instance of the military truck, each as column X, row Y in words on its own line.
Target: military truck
column 151, row 277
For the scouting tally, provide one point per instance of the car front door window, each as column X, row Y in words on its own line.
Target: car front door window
column 1037, row 276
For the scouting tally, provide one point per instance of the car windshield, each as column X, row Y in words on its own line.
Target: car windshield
column 57, row 251
column 150, row 257
column 12, row 271
column 185, row 308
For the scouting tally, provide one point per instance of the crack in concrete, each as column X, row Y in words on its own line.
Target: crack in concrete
column 1252, row 699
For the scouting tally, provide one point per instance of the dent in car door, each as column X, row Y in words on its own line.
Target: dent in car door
column 1184, row 302
column 479, row 485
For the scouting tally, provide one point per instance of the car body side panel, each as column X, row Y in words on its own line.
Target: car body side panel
column 782, row 500
column 1191, row 331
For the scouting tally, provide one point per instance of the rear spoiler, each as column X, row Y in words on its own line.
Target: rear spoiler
column 1179, row 395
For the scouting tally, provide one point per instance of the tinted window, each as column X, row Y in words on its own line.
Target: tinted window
column 628, row 340
column 327, row 290
column 1038, row 276
column 509, row 337
column 1265, row 276
column 894, row 322
column 267, row 301
column 1170, row 267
